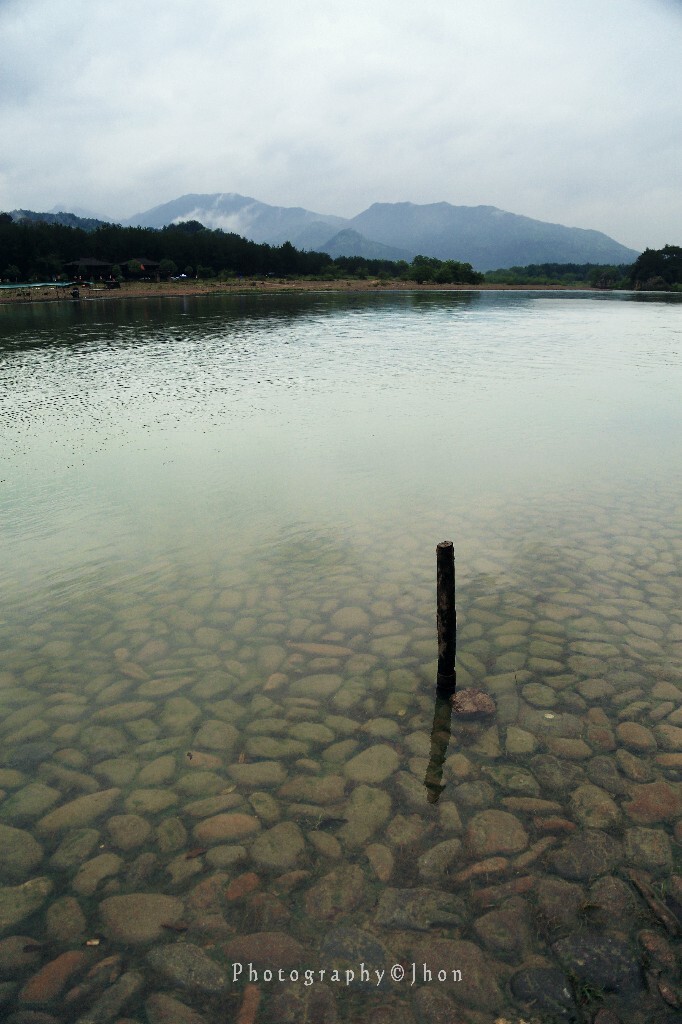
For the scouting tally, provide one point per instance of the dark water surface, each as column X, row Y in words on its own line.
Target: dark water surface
column 218, row 521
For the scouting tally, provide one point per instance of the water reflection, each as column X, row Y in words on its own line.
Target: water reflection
column 440, row 740
column 238, row 565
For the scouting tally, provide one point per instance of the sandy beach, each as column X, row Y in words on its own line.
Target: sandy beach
column 168, row 289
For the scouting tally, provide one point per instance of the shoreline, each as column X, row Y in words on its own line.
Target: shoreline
column 180, row 289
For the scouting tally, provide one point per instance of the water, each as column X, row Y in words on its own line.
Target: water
column 219, row 518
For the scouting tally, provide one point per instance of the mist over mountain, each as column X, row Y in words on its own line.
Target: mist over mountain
column 245, row 216
column 484, row 236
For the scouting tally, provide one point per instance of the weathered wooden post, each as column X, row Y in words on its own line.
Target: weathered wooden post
column 446, row 617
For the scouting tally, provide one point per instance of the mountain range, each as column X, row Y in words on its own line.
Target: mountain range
column 484, row 236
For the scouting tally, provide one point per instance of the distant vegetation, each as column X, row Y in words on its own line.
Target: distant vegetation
column 658, row 269
column 581, row 275
column 36, row 250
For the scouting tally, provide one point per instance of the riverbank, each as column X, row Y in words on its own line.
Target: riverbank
column 168, row 289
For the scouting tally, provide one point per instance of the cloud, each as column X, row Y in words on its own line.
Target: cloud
column 569, row 113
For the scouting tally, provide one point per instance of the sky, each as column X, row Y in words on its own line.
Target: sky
column 569, row 113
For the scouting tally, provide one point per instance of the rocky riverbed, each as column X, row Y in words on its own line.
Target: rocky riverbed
column 231, row 768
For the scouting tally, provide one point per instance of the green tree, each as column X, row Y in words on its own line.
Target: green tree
column 168, row 268
column 657, row 268
column 424, row 268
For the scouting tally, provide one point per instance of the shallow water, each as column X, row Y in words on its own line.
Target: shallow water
column 219, row 519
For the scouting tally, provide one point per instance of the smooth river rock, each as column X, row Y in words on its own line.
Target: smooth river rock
column 20, row 901
column 280, row 848
column 139, row 917
column 187, row 966
column 374, row 764
column 78, row 812
column 492, row 832
column 19, row 853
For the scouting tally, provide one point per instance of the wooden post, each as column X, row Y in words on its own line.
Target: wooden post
column 446, row 617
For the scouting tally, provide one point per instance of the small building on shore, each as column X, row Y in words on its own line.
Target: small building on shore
column 87, row 268
column 147, row 268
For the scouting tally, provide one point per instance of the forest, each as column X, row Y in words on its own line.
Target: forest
column 32, row 250
column 39, row 251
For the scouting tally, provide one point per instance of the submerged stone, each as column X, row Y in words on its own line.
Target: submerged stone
column 267, row 949
column 505, row 931
column 633, row 767
column 478, row 987
column 347, row 947
column 78, row 812
column 64, row 920
column 366, row 811
column 94, row 871
column 281, row 848
column 512, row 779
column 650, row 849
column 472, row 704
column 74, row 848
column 139, row 917
column 490, row 832
column 20, row 901
column 20, row 854
column 438, row 861
column 558, row 904
column 164, row 1009
column 187, row 966
column 336, row 893
column 603, row 961
column 603, row 771
column 52, row 977
column 555, row 776
column 374, row 764
column 657, row 801
column 593, row 807
column 586, row 855
column 419, row 909
column 547, row 990
column 325, row 789
column 259, row 775
column 128, row 830
column 612, row 903
column 222, row 827
column 518, row 741
column 28, row 754
column 635, row 736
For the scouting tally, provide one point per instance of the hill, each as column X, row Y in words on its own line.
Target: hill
column 69, row 220
column 352, row 243
column 484, row 236
column 245, row 216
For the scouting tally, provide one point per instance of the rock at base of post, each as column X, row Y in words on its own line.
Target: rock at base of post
column 471, row 704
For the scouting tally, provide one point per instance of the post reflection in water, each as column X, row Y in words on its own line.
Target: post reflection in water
column 440, row 739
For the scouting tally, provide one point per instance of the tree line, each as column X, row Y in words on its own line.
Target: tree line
column 39, row 251
column 658, row 269
column 33, row 250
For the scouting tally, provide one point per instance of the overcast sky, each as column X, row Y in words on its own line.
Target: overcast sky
column 568, row 112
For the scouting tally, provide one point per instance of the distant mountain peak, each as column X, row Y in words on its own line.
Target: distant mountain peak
column 485, row 236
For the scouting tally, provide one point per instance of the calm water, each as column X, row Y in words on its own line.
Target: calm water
column 218, row 523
